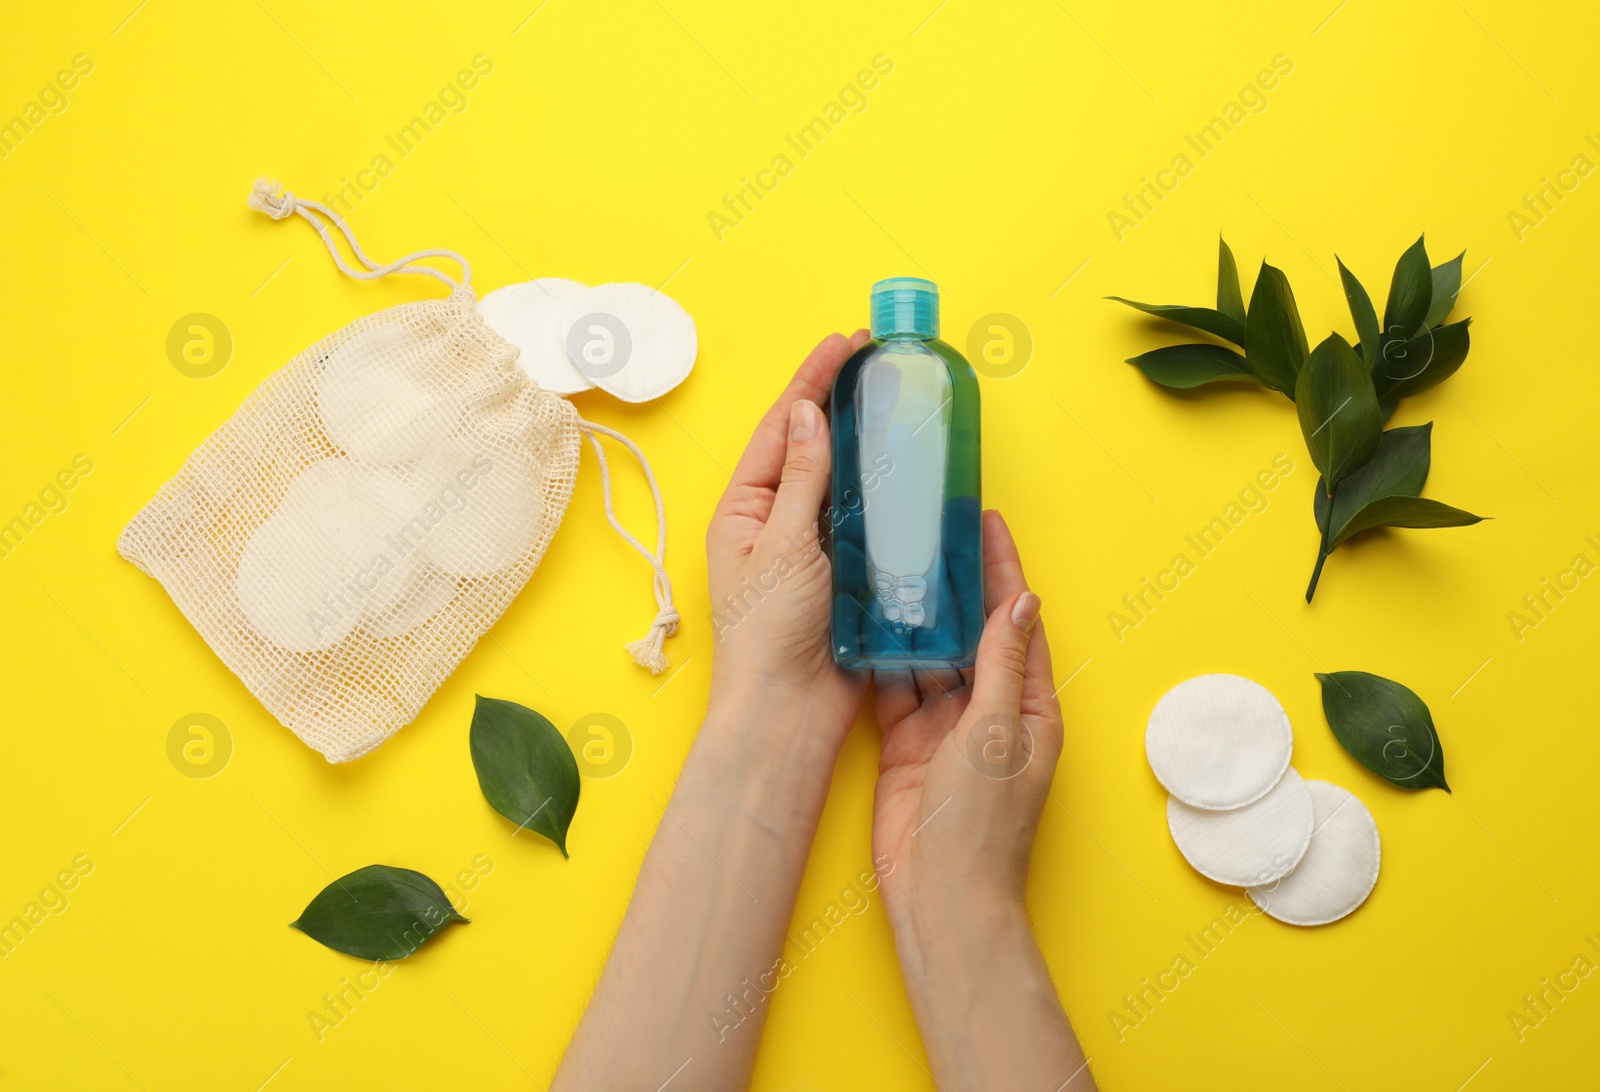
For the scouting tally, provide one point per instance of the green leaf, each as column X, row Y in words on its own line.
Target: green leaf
column 1446, row 286
column 1230, row 301
column 1201, row 318
column 377, row 912
column 1366, row 319
column 1410, row 367
column 1274, row 340
column 1184, row 366
column 525, row 769
column 1410, row 293
column 1406, row 512
column 1398, row 469
column 1385, row 727
column 1338, row 409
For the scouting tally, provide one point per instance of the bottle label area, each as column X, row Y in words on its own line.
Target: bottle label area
column 903, row 399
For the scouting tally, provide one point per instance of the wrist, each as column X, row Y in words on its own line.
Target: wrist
column 752, row 704
column 767, row 737
column 982, row 993
column 967, row 915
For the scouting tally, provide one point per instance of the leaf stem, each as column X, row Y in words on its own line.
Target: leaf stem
column 1323, row 549
column 1316, row 575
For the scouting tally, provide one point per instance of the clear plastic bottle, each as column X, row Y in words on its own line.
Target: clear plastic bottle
column 907, row 500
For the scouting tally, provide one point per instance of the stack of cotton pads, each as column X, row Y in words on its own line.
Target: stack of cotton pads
column 1306, row 851
column 627, row 339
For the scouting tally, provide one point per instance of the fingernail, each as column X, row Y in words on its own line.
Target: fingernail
column 1026, row 611
column 804, row 419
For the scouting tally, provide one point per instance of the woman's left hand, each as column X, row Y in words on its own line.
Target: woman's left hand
column 771, row 584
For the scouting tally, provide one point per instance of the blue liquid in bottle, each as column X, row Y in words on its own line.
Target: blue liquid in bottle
column 906, row 537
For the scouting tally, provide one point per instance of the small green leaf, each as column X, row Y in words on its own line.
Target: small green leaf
column 377, row 912
column 1410, row 367
column 1410, row 293
column 1185, row 366
column 1446, row 286
column 1366, row 319
column 525, row 769
column 1274, row 340
column 1201, row 318
column 1338, row 409
column 1385, row 727
column 1230, row 301
column 1398, row 469
column 1406, row 512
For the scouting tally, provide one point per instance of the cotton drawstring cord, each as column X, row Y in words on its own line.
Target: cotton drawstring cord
column 265, row 197
column 647, row 651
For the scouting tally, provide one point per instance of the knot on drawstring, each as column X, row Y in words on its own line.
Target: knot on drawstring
column 649, row 650
column 264, row 197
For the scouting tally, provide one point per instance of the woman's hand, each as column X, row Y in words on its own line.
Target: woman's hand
column 771, row 585
column 967, row 762
column 685, row 989
column 968, row 756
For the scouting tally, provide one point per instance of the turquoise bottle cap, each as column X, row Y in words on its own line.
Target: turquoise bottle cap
column 905, row 307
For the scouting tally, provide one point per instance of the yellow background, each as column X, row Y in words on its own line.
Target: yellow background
column 988, row 160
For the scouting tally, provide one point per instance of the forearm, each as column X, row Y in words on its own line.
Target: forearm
column 988, row 1011
column 682, row 987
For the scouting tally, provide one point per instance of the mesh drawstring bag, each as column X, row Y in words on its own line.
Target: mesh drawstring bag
column 373, row 507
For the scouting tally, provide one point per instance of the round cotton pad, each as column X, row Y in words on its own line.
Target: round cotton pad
column 1250, row 845
column 1340, row 867
column 481, row 506
column 427, row 593
column 631, row 340
column 530, row 315
column 1218, row 741
column 309, row 573
column 373, row 402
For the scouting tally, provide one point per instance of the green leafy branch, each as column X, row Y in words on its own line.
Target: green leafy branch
column 1343, row 393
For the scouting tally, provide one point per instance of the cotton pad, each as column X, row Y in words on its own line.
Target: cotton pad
column 321, row 561
column 1218, row 741
column 427, row 592
column 530, row 315
column 373, row 402
column 1250, row 845
column 1340, row 867
column 630, row 340
column 477, row 507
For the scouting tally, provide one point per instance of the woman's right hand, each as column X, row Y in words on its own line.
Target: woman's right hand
column 968, row 756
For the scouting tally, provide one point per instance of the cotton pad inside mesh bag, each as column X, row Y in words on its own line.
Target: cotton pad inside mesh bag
column 373, row 507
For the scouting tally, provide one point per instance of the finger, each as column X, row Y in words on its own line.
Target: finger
column 1002, row 576
column 1038, row 683
column 804, row 479
column 1002, row 565
column 1003, row 656
column 912, row 729
column 939, row 683
column 897, row 697
column 762, row 461
column 860, row 338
